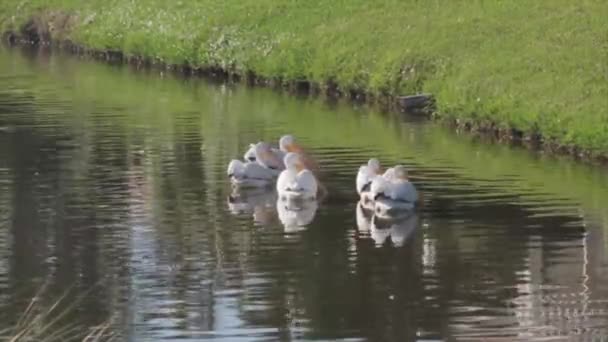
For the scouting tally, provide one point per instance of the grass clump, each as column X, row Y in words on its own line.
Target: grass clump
column 46, row 323
column 534, row 66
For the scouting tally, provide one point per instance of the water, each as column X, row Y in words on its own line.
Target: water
column 112, row 192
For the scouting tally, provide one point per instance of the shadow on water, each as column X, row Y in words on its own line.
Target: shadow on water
column 116, row 178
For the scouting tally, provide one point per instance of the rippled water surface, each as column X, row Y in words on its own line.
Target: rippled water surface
column 113, row 193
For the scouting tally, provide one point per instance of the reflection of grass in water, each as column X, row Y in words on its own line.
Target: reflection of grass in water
column 44, row 324
column 159, row 104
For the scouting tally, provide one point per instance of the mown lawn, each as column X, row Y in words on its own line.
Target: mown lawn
column 537, row 66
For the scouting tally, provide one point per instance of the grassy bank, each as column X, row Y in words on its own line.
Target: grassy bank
column 538, row 67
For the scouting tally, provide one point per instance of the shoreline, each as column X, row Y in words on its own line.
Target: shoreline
column 37, row 32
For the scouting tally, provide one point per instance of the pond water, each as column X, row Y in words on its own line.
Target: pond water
column 113, row 194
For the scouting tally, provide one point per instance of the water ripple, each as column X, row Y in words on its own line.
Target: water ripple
column 117, row 180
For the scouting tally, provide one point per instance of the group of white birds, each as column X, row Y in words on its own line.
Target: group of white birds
column 387, row 193
column 288, row 166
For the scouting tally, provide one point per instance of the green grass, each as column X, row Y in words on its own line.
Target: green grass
column 537, row 66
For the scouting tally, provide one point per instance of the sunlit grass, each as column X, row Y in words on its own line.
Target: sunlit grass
column 535, row 66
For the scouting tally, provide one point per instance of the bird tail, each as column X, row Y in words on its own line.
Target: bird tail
column 235, row 168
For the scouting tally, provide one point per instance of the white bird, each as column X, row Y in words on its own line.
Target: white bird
column 249, row 155
column 389, row 174
column 365, row 176
column 286, row 144
column 296, row 182
column 254, row 174
column 394, row 193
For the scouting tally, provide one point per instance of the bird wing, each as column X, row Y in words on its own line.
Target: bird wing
column 271, row 160
column 404, row 191
column 306, row 181
column 257, row 171
column 309, row 162
column 286, row 178
column 235, row 168
column 379, row 186
column 280, row 155
column 364, row 179
column 389, row 174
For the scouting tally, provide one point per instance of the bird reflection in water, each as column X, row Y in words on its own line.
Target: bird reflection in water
column 258, row 202
column 398, row 228
column 296, row 214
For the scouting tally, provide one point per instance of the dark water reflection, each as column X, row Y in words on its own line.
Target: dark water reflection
column 112, row 184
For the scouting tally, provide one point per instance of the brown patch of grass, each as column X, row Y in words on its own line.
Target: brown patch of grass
column 47, row 26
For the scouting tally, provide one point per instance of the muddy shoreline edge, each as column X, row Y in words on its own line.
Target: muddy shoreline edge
column 38, row 31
